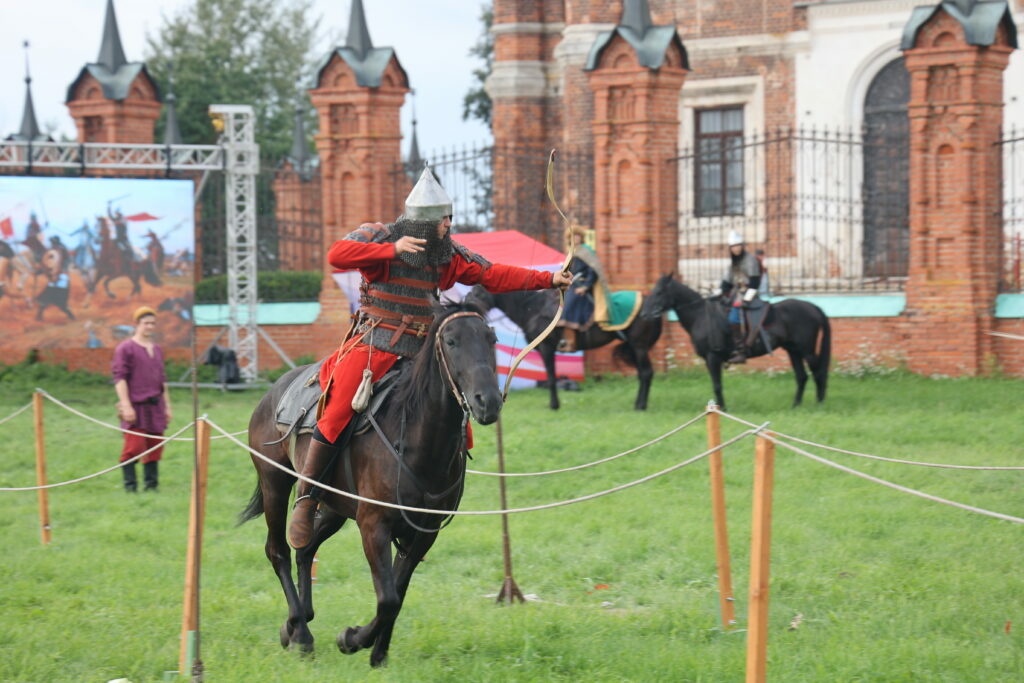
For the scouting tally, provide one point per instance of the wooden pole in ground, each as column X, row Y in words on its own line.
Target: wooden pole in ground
column 44, row 500
column 726, row 600
column 509, row 590
column 189, row 655
column 760, row 556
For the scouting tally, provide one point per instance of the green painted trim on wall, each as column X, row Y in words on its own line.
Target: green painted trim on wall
column 855, row 306
column 848, row 306
column 1010, row 306
column 291, row 313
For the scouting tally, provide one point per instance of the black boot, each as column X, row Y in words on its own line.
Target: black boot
column 739, row 345
column 151, row 475
column 130, row 484
column 318, row 457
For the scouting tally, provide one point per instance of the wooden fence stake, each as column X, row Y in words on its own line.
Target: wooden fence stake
column 760, row 556
column 44, row 500
column 189, row 654
column 509, row 590
column 726, row 600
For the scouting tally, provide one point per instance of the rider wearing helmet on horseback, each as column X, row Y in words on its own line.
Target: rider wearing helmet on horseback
column 739, row 287
column 404, row 267
column 121, row 239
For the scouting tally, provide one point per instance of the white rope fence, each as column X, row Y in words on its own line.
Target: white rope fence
column 938, row 465
column 898, row 487
column 653, row 441
column 780, row 440
column 108, row 425
column 132, row 460
column 533, row 508
column 16, row 413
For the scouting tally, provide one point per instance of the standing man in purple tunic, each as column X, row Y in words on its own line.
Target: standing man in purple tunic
column 143, row 402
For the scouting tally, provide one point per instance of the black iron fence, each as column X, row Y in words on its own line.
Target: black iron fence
column 827, row 209
column 289, row 220
column 503, row 188
column 1013, row 211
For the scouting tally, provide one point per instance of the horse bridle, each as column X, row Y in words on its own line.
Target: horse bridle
column 442, row 359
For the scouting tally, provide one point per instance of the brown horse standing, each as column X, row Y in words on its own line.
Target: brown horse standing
column 452, row 378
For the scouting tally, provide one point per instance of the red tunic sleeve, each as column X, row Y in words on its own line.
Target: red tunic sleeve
column 372, row 259
column 497, row 278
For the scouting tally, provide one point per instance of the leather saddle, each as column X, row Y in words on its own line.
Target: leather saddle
column 296, row 410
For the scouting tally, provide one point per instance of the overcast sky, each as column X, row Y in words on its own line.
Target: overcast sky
column 432, row 39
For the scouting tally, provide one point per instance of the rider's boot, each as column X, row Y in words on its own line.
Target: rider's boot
column 318, row 456
column 739, row 345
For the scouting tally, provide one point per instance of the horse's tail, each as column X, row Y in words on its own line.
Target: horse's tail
column 255, row 507
column 824, row 355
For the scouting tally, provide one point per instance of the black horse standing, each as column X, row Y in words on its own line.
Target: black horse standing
column 426, row 469
column 532, row 311
column 799, row 327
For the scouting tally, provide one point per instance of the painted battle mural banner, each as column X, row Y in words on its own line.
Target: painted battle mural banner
column 79, row 255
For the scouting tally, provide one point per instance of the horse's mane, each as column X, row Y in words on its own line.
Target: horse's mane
column 417, row 379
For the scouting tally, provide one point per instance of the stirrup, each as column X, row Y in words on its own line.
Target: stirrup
column 301, row 498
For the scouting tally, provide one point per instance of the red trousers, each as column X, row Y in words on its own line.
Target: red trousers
column 135, row 444
column 347, row 374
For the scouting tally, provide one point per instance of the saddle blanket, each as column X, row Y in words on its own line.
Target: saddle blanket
column 616, row 310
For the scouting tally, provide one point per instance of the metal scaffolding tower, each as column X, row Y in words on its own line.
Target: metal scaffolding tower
column 241, row 165
column 237, row 156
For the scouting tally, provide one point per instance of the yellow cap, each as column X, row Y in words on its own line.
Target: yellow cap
column 142, row 311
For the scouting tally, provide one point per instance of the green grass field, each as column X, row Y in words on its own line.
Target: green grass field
column 868, row 584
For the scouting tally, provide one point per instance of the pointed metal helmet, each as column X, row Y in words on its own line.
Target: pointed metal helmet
column 735, row 238
column 428, row 201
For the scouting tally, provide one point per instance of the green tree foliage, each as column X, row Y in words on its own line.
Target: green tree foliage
column 256, row 52
column 476, row 104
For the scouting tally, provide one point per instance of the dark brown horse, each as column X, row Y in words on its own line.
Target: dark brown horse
column 799, row 327
column 532, row 311
column 453, row 377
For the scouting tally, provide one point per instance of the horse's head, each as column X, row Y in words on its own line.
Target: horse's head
column 464, row 348
column 660, row 298
column 481, row 298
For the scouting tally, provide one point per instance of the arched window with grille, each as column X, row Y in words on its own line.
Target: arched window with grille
column 886, row 188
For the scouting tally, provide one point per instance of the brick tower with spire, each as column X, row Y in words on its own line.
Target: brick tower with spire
column 114, row 100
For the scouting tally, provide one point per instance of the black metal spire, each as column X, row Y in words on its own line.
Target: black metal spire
column 414, row 162
column 172, row 131
column 358, row 34
column 111, row 52
column 636, row 14
column 300, row 151
column 29, row 127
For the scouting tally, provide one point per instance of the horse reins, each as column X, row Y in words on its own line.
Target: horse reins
column 443, row 360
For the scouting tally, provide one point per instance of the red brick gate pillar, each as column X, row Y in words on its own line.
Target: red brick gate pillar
column 636, row 134
column 524, row 114
column 359, row 144
column 955, row 110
